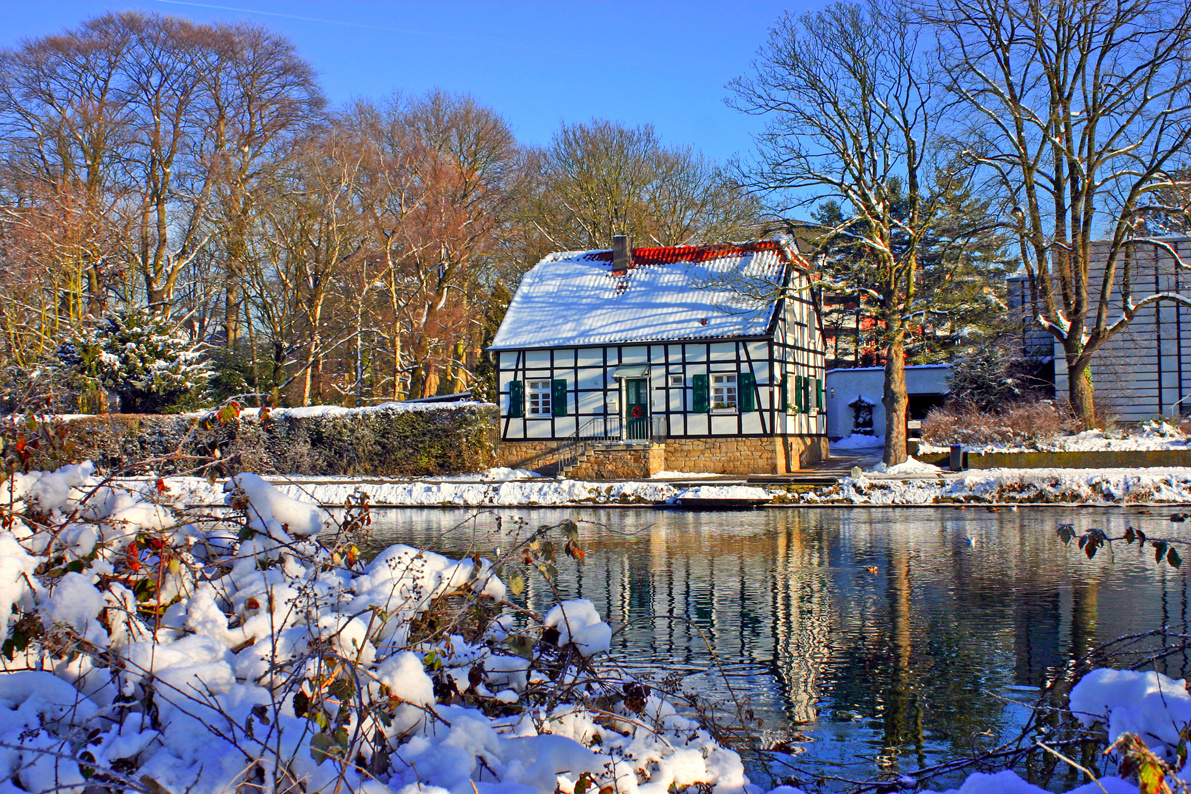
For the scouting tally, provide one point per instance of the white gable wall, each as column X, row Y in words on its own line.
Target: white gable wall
column 844, row 386
column 1145, row 370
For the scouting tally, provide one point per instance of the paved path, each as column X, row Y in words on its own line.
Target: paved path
column 825, row 472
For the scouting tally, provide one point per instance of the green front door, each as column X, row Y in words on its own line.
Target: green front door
column 636, row 408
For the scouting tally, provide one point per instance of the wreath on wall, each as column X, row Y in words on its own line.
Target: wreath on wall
column 636, row 413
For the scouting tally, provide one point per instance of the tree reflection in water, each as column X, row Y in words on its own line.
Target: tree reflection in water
column 888, row 639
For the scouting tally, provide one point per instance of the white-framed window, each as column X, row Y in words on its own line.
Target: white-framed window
column 537, row 394
column 676, row 381
column 724, row 392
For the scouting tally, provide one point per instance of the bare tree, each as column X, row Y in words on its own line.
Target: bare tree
column 1078, row 113
column 599, row 179
column 436, row 182
column 163, row 89
column 260, row 98
column 850, row 108
column 147, row 117
column 64, row 122
column 318, row 228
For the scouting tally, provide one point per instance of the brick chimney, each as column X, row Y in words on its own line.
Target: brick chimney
column 622, row 255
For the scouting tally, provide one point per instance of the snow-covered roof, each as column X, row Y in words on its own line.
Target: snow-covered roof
column 685, row 292
column 882, row 369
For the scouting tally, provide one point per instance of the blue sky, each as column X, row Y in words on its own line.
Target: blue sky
column 537, row 63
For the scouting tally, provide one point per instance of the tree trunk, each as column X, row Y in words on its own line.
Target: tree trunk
column 96, row 299
column 157, row 298
column 459, row 380
column 397, row 361
column 1079, row 392
column 895, row 403
column 422, row 379
column 231, row 309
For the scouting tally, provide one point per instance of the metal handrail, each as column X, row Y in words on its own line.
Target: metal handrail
column 594, row 431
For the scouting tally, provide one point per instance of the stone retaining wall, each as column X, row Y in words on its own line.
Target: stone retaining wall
column 726, row 455
column 766, row 455
column 1103, row 459
column 723, row 455
column 622, row 462
column 531, row 455
column 1080, row 460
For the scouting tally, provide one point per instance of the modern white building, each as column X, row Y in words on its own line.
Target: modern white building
column 854, row 397
column 1144, row 371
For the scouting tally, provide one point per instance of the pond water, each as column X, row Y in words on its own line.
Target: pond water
column 874, row 641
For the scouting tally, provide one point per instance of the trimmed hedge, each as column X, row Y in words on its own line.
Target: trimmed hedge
column 390, row 440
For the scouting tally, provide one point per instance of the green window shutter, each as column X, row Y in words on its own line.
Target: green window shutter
column 748, row 392
column 806, row 396
column 785, row 394
column 820, row 395
column 699, row 393
column 798, row 392
column 516, row 399
column 558, row 397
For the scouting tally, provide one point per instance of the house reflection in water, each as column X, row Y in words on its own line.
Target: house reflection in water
column 888, row 637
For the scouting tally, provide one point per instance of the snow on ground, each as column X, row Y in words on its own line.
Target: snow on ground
column 910, row 466
column 498, row 474
column 685, row 475
column 858, row 441
column 144, row 656
column 1145, row 437
column 1082, row 486
column 153, row 659
column 429, row 493
column 725, row 492
column 910, row 483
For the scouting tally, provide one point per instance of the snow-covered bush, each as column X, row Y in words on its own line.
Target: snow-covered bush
column 393, row 439
column 992, row 376
column 148, row 649
column 142, row 358
column 1016, row 424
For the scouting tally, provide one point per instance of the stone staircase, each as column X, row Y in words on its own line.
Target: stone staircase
column 598, row 452
column 564, row 471
column 626, row 460
column 565, row 461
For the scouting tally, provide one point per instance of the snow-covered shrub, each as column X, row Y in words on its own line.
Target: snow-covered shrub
column 1018, row 424
column 142, row 358
column 982, row 379
column 992, row 376
column 145, row 648
column 393, row 439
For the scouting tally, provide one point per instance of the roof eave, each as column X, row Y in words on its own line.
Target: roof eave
column 636, row 342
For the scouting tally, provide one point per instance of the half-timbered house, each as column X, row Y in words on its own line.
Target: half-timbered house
column 622, row 363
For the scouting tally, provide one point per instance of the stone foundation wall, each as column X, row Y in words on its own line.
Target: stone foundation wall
column 527, row 454
column 722, row 455
column 774, row 455
column 728, row 455
column 622, row 462
column 807, row 450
